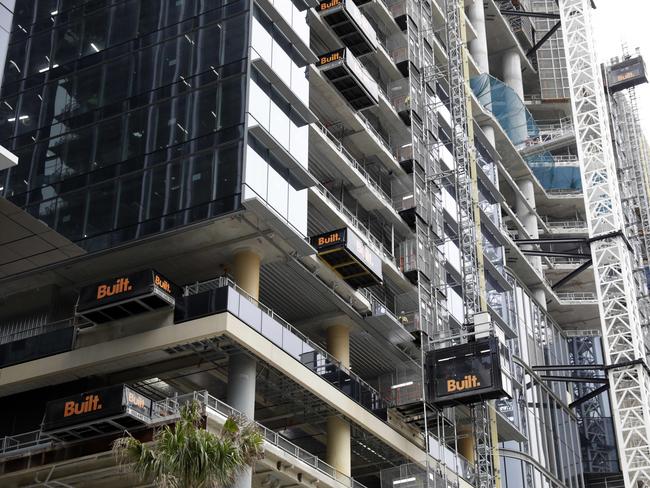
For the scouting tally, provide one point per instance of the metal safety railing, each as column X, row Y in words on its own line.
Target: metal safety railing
column 168, row 409
column 291, row 340
column 352, row 162
column 373, row 242
column 574, row 296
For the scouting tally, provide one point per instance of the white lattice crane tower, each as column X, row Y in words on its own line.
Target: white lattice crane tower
column 624, row 348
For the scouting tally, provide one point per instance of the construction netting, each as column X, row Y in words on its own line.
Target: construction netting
column 520, row 127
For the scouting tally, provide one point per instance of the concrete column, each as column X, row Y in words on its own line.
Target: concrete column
column 540, row 295
column 478, row 47
column 512, row 76
column 241, row 383
column 338, row 343
column 488, row 130
column 242, row 368
column 528, row 218
column 465, row 442
column 246, row 272
column 339, row 451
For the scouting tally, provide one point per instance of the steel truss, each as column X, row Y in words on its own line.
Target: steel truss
column 624, row 349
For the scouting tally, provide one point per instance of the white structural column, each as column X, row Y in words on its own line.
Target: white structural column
column 525, row 210
column 624, row 347
column 339, row 450
column 242, row 368
column 512, row 76
column 478, row 47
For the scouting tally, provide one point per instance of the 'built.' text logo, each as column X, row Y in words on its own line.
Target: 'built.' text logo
column 468, row 382
column 89, row 404
column 121, row 285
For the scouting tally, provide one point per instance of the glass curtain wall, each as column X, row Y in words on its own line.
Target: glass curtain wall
column 127, row 116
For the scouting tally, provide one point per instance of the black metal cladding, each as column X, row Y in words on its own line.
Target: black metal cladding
column 335, row 13
column 126, row 295
column 128, row 119
column 340, row 249
column 334, row 66
column 626, row 74
column 201, row 304
column 36, row 347
column 467, row 373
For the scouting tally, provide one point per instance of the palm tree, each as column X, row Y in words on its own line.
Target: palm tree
column 188, row 456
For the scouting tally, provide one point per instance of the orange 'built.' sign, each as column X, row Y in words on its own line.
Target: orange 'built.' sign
column 89, row 404
column 120, row 286
column 468, row 382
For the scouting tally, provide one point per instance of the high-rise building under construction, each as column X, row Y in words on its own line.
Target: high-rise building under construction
column 388, row 231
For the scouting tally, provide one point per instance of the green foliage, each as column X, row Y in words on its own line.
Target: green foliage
column 188, row 456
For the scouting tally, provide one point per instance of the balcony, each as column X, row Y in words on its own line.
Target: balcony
column 350, row 25
column 38, row 342
column 297, row 462
column 350, row 78
column 222, row 295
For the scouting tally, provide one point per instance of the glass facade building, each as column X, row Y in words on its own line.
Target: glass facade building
column 289, row 164
column 128, row 117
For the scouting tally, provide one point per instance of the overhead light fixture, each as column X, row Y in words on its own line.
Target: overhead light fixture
column 92, row 44
column 401, row 385
column 404, row 480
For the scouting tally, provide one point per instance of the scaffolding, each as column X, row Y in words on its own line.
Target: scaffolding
column 469, row 228
column 623, row 338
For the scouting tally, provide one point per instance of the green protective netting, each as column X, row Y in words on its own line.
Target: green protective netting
column 520, row 126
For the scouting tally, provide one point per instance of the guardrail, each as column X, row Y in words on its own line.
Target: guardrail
column 354, row 163
column 356, row 224
column 292, row 341
column 167, row 411
column 586, row 296
column 169, row 408
column 567, row 224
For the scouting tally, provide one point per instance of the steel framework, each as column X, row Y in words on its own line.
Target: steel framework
column 469, row 228
column 624, row 348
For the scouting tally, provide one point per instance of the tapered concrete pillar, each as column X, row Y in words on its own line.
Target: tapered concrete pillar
column 242, row 368
column 339, row 451
column 478, row 47
column 512, row 76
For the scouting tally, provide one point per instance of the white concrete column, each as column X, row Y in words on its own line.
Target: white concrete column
column 528, row 218
column 478, row 47
column 488, row 130
column 339, row 451
column 512, row 76
column 540, row 295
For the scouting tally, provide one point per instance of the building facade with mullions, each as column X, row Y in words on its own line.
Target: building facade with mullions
column 209, row 141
